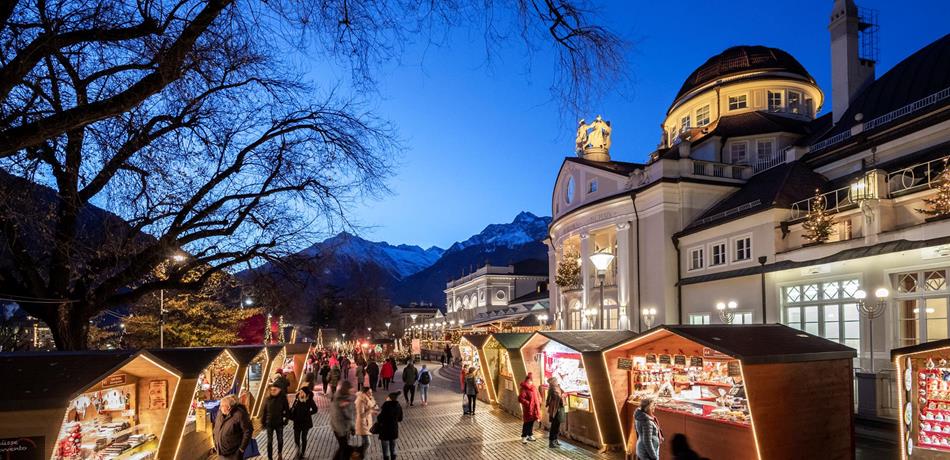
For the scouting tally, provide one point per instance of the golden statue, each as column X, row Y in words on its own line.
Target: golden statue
column 593, row 139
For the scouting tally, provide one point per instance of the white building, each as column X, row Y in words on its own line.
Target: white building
column 715, row 215
column 489, row 290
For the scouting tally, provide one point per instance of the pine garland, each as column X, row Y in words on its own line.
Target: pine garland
column 568, row 270
column 939, row 205
column 818, row 223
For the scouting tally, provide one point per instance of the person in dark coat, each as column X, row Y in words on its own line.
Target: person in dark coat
column 530, row 407
column 301, row 413
column 273, row 418
column 409, row 377
column 470, row 388
column 556, row 414
column 232, row 430
column 372, row 369
column 281, row 382
column 388, row 419
column 345, row 368
column 325, row 375
column 681, row 450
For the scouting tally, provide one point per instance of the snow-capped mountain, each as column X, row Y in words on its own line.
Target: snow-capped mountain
column 526, row 228
column 399, row 261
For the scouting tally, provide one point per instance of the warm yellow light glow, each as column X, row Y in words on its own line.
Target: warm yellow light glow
column 901, row 440
column 755, row 436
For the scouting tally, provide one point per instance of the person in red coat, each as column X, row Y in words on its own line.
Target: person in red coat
column 530, row 408
column 387, row 373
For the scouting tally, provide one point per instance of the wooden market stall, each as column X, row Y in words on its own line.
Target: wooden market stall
column 470, row 347
column 295, row 359
column 504, row 366
column 86, row 405
column 575, row 359
column 275, row 358
column 762, row 391
column 251, row 360
column 208, row 374
column 924, row 395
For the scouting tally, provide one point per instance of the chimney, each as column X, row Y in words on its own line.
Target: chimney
column 852, row 61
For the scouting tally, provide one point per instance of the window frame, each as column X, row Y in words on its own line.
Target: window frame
column 702, row 258
column 712, row 253
column 821, row 303
column 705, row 318
column 773, row 149
column 732, row 157
column 781, row 100
column 685, row 123
column 708, row 116
column 802, row 109
column 919, row 296
column 744, row 103
column 735, row 247
column 592, row 186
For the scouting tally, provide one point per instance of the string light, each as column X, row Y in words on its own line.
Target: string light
column 818, row 224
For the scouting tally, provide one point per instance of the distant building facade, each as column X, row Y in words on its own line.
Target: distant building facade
column 488, row 289
column 716, row 214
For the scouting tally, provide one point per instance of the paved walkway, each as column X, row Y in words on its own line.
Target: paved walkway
column 439, row 431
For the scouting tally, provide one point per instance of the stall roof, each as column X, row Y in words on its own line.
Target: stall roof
column 476, row 339
column 926, row 346
column 48, row 380
column 273, row 350
column 246, row 353
column 297, row 348
column 762, row 343
column 512, row 340
column 189, row 361
column 588, row 341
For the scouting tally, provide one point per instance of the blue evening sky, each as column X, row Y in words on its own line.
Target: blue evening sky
column 484, row 141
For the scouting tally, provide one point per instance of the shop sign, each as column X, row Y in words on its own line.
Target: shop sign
column 695, row 361
column 665, row 359
column 651, row 358
column 625, row 364
column 158, row 394
column 732, row 367
column 679, row 360
column 24, row 448
column 114, row 380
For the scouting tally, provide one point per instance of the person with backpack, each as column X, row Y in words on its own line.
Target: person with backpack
column 301, row 413
column 388, row 425
column 425, row 378
column 470, row 390
column 409, row 377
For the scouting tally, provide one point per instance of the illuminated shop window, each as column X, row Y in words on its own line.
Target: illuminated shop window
column 827, row 309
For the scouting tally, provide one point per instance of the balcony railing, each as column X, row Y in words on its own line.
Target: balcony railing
column 773, row 160
column 917, row 177
column 715, row 169
column 835, row 200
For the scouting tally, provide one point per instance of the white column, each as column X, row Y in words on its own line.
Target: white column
column 554, row 292
column 585, row 273
column 623, row 273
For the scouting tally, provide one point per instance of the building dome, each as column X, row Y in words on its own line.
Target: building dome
column 741, row 59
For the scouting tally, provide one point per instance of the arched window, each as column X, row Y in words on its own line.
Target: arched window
column 575, row 315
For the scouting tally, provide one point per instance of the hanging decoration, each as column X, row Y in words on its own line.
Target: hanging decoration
column 281, row 327
column 268, row 334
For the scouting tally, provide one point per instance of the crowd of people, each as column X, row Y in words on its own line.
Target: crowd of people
column 355, row 416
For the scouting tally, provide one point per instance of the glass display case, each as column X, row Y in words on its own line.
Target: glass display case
column 105, row 425
column 710, row 388
column 567, row 366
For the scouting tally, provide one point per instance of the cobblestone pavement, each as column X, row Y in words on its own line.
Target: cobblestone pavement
column 440, row 432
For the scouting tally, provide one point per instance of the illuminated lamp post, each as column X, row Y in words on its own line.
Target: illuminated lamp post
column 601, row 261
column 649, row 315
column 872, row 310
column 726, row 311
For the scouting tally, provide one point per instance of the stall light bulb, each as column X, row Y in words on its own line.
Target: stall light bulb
column 881, row 293
column 860, row 294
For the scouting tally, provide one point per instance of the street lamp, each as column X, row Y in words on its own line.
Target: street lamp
column 871, row 310
column 601, row 261
column 248, row 302
column 543, row 319
column 726, row 313
column 387, row 327
column 590, row 313
column 649, row 315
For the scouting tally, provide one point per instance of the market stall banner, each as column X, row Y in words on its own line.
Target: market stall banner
column 114, row 381
column 158, row 394
column 25, row 448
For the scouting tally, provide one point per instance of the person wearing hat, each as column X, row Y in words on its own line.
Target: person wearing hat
column 281, row 382
column 530, row 408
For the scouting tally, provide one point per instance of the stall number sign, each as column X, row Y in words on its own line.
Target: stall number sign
column 651, row 358
column 695, row 361
column 625, row 364
column 679, row 360
column 664, row 359
column 25, row 448
column 114, row 381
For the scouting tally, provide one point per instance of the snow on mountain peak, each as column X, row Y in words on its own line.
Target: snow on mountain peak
column 402, row 260
column 525, row 228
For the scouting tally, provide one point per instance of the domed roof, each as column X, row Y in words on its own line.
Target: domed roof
column 739, row 59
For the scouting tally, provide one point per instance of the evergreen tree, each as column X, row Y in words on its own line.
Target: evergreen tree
column 939, row 205
column 568, row 270
column 818, row 223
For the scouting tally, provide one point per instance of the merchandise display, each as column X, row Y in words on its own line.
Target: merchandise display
column 104, row 425
column 567, row 366
column 692, row 385
column 933, row 408
column 214, row 383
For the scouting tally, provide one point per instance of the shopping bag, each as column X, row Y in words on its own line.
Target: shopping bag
column 253, row 450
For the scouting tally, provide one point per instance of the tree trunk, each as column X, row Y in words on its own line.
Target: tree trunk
column 69, row 329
